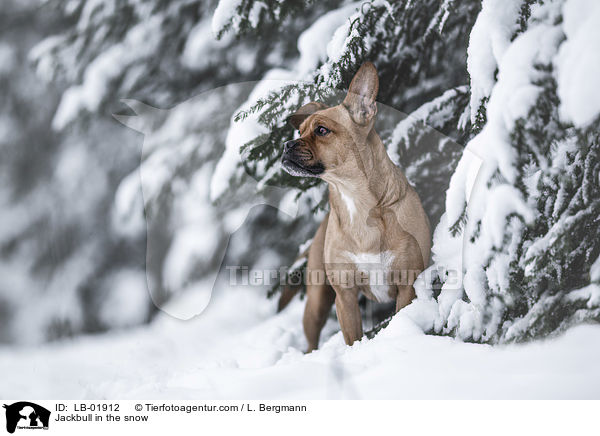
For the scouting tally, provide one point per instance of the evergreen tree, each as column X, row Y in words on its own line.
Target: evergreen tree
column 523, row 232
column 523, row 272
column 419, row 49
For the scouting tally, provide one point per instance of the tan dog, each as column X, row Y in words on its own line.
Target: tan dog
column 376, row 237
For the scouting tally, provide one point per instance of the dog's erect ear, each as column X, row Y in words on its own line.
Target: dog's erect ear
column 360, row 100
column 304, row 112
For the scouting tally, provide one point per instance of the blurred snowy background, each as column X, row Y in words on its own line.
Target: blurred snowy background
column 102, row 224
column 74, row 228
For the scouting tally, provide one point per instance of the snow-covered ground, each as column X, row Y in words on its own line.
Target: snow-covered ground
column 239, row 348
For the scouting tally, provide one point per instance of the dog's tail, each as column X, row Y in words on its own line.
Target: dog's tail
column 289, row 291
column 287, row 294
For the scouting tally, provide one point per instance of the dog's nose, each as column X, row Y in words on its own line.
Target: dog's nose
column 289, row 144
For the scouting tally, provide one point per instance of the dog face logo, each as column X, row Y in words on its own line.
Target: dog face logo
column 26, row 415
column 327, row 146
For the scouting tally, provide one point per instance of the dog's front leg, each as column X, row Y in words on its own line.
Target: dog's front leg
column 409, row 264
column 348, row 313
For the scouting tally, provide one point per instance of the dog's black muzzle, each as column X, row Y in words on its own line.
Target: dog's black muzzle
column 295, row 161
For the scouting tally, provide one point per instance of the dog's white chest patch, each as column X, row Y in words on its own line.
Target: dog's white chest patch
column 350, row 205
column 377, row 266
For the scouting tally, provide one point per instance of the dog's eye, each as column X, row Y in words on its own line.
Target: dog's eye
column 321, row 131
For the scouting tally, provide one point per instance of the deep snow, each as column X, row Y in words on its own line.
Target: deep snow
column 240, row 348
